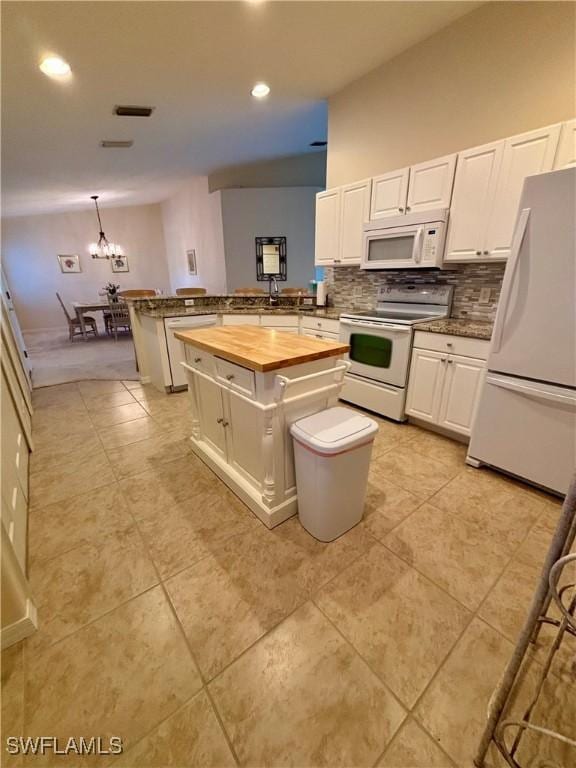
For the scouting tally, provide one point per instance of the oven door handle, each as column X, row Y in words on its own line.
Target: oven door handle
column 382, row 326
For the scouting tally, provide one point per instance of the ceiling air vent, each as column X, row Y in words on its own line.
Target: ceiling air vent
column 318, row 143
column 107, row 144
column 132, row 111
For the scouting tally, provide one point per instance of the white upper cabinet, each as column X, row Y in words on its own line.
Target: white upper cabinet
column 474, row 188
column 523, row 156
column 327, row 245
column 340, row 217
column 389, row 193
column 566, row 152
column 431, row 184
column 355, row 211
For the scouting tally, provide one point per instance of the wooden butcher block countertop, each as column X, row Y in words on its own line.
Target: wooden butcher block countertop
column 260, row 349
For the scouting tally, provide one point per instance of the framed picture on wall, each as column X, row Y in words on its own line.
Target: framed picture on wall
column 191, row 257
column 69, row 263
column 119, row 264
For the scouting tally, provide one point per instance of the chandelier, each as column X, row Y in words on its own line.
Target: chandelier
column 103, row 249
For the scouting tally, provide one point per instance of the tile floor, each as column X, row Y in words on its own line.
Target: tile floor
column 169, row 616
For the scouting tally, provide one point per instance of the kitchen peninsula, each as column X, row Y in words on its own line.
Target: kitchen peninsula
column 247, row 385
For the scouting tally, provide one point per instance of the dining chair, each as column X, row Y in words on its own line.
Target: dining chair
column 119, row 317
column 137, row 293
column 250, row 291
column 191, row 291
column 74, row 325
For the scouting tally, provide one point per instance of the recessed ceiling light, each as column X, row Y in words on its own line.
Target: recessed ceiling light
column 260, row 91
column 54, row 66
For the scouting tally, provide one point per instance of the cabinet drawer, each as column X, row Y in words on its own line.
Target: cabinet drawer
column 279, row 321
column 456, row 345
column 320, row 324
column 240, row 319
column 321, row 335
column 240, row 379
column 201, row 360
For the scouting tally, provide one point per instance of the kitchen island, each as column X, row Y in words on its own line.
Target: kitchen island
column 246, row 386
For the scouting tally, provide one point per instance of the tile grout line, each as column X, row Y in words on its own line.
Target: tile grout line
column 474, row 616
column 174, row 613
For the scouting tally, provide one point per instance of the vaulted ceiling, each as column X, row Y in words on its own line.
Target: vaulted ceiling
column 195, row 62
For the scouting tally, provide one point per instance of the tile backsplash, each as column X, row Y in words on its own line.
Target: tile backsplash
column 354, row 287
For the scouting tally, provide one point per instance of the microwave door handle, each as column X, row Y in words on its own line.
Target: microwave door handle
column 418, row 241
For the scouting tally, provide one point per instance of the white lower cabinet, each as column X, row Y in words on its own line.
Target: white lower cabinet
column 460, row 393
column 211, row 414
column 425, row 385
column 444, row 387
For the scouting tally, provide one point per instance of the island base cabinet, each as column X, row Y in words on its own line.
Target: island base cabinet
column 247, row 442
column 444, row 389
column 209, row 412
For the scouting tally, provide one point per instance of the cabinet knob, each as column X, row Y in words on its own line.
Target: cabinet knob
column 197, row 359
column 230, row 376
column 450, row 362
column 225, row 423
column 478, row 253
column 449, row 344
column 401, row 210
column 408, row 208
column 219, row 421
column 486, row 253
column 442, row 359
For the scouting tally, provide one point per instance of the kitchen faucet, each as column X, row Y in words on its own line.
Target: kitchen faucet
column 273, row 294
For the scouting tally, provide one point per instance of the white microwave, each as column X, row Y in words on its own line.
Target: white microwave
column 405, row 242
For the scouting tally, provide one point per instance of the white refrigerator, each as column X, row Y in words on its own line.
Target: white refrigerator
column 526, row 419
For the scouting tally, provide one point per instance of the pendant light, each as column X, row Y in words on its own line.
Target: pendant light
column 103, row 249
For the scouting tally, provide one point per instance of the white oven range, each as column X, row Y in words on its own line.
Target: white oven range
column 381, row 343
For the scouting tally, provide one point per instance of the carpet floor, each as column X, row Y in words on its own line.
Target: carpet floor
column 56, row 360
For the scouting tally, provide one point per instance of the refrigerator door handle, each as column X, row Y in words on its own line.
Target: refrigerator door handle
column 517, row 241
column 539, row 393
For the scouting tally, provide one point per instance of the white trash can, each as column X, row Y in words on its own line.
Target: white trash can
column 332, row 452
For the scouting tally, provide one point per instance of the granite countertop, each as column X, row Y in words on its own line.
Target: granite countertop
column 260, row 349
column 474, row 329
column 216, row 309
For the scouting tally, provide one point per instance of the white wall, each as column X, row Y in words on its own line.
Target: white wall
column 192, row 218
column 248, row 213
column 305, row 170
column 503, row 69
column 30, row 245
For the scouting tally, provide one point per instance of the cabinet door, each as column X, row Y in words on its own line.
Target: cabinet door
column 523, row 156
column 474, row 186
column 355, row 211
column 389, row 193
column 566, row 152
column 461, row 393
column 327, row 246
column 425, row 384
column 211, row 415
column 244, row 431
column 431, row 184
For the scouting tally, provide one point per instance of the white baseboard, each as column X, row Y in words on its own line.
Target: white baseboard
column 20, row 629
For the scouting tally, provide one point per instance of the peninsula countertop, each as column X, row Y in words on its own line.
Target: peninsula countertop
column 260, row 349
column 332, row 313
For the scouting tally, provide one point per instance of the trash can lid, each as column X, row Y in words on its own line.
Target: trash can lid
column 334, row 430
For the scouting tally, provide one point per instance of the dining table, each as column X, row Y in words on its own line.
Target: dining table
column 83, row 307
